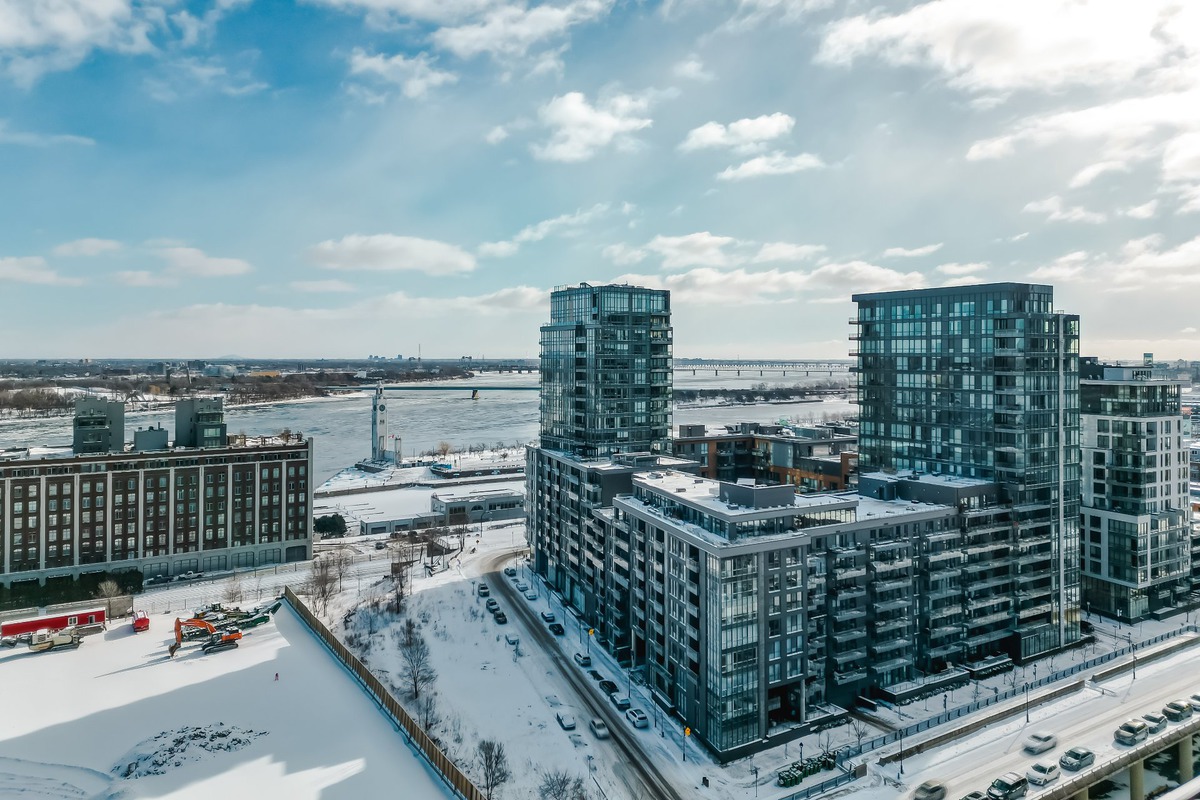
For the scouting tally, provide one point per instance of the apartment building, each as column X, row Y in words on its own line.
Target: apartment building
column 813, row 458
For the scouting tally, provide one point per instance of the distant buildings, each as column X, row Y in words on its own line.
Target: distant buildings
column 161, row 510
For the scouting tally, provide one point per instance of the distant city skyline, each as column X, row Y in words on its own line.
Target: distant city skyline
column 335, row 178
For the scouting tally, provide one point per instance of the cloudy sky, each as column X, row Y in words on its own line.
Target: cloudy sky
column 344, row 177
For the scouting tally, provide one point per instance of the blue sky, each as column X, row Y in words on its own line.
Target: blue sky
column 341, row 177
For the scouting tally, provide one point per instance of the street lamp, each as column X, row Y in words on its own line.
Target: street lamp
column 902, row 751
column 1027, row 702
column 754, row 769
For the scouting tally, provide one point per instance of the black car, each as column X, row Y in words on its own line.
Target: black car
column 501, row 618
column 594, row 675
column 608, row 687
column 557, row 629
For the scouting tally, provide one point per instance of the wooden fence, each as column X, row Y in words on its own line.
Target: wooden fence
column 450, row 772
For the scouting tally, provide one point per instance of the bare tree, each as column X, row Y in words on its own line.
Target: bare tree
column 108, row 589
column 428, row 711
column 416, row 668
column 825, row 742
column 560, row 785
column 859, row 730
column 233, row 589
column 443, row 449
column 320, row 584
column 493, row 764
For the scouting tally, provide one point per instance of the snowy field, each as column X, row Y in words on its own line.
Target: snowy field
column 116, row 718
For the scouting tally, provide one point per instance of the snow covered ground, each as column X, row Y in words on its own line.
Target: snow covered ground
column 116, row 718
column 417, row 471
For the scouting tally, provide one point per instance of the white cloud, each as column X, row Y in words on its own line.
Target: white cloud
column 415, row 76
column 1188, row 330
column 695, row 249
column 955, row 268
column 141, row 277
column 387, row 251
column 753, row 12
column 31, row 139
column 1020, row 237
column 189, row 75
column 786, row 251
column 1013, row 45
column 1055, row 211
column 691, row 69
column 392, row 13
column 744, row 136
column 540, row 230
column 33, row 269
column 323, row 287
column 580, row 130
column 1093, row 171
column 623, row 255
column 773, row 164
column 915, row 252
column 86, row 247
column 496, row 135
column 1066, row 268
column 195, row 262
column 1144, row 211
column 510, row 31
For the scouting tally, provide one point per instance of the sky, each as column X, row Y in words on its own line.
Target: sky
column 338, row 178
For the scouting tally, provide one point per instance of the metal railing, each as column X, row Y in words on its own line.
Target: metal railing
column 454, row 777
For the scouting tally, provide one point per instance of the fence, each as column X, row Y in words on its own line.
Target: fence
column 455, row 778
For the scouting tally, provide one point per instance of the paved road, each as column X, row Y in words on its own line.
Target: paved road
column 644, row 776
column 1086, row 718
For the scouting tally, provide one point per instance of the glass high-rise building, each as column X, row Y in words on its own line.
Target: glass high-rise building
column 606, row 371
column 983, row 382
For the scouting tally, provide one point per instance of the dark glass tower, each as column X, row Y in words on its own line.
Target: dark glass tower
column 983, row 382
column 606, row 371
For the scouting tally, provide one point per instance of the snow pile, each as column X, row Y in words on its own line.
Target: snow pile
column 169, row 749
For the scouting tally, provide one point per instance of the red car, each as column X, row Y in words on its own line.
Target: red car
column 141, row 622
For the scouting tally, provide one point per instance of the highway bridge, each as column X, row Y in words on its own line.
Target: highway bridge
column 763, row 368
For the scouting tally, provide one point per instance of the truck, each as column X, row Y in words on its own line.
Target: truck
column 44, row 640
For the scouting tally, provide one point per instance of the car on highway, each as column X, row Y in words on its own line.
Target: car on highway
column 1043, row 772
column 583, row 659
column 484, row 591
column 156, row 579
column 594, row 675
column 556, row 628
column 547, row 616
column 1040, row 742
column 1177, row 710
column 599, row 729
column 510, row 571
column 608, row 687
column 522, row 586
column 975, row 796
column 1077, row 758
column 620, row 701
column 1008, row 786
column 638, row 718
column 1195, row 701
column 566, row 721
column 1132, row 732
column 531, row 594
column 500, row 617
column 930, row 790
column 1157, row 722
column 492, row 605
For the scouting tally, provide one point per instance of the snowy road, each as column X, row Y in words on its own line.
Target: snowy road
column 1086, row 718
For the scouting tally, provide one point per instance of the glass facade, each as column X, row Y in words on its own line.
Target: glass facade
column 606, row 371
column 983, row 382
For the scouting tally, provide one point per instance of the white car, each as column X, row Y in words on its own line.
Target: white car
column 566, row 721
column 1043, row 772
column 599, row 728
column 1040, row 742
column 637, row 717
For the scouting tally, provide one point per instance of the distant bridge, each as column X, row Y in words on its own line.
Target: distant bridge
column 764, row 367
column 410, row 387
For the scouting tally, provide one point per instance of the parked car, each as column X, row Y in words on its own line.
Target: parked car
column 1040, row 742
column 1195, row 701
column 583, row 660
column 154, row 580
column 1043, row 772
column 531, row 594
column 975, row 796
column 1156, row 721
column 598, row 728
column 620, row 701
column 608, row 687
column 1008, row 786
column 189, row 576
column 381, row 545
column 548, row 616
column 510, row 571
column 500, row 617
column 492, row 605
column 557, row 629
column 930, row 790
column 484, row 591
column 1178, row 710
column 566, row 721
column 594, row 675
column 522, row 586
column 512, row 638
column 1077, row 758
column 638, row 718
column 1132, row 732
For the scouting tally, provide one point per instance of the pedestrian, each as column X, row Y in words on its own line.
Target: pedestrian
column 276, row 676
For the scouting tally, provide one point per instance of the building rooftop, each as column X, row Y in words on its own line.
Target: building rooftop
column 937, row 479
column 38, row 453
column 705, row 493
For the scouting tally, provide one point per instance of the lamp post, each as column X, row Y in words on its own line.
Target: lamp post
column 902, row 751
column 754, row 769
column 1026, row 702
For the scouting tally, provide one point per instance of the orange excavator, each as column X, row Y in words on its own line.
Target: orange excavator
column 218, row 640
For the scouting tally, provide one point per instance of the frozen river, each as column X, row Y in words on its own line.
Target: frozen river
column 342, row 427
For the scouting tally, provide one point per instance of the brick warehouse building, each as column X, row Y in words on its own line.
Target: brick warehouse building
column 161, row 511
